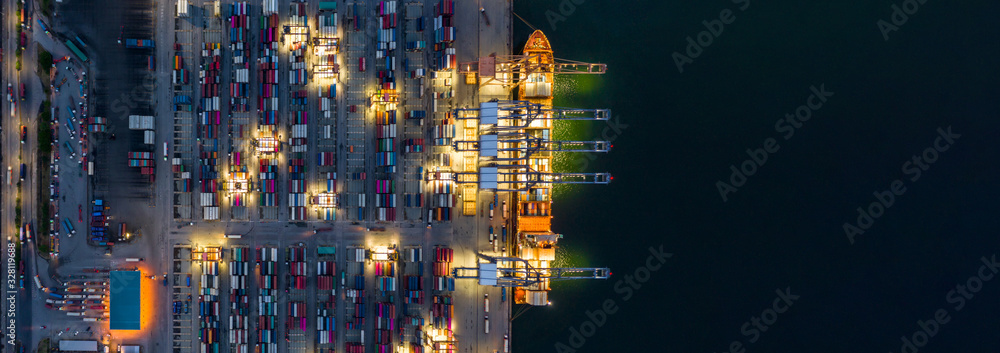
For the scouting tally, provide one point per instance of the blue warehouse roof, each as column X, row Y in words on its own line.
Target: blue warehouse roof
column 125, row 301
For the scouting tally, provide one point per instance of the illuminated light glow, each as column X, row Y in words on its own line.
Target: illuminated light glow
column 326, row 200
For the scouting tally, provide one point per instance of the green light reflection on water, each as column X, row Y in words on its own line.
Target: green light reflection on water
column 573, row 91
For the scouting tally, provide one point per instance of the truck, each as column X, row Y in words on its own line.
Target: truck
column 38, row 283
column 68, row 227
column 72, row 152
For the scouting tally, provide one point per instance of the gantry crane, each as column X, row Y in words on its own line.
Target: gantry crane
column 520, row 272
column 518, row 115
column 520, row 146
column 527, row 144
column 513, row 70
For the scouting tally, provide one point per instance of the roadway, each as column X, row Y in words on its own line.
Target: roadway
column 13, row 154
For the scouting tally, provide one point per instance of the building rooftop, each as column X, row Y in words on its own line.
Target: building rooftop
column 125, row 300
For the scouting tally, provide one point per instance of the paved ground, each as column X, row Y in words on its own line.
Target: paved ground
column 124, row 87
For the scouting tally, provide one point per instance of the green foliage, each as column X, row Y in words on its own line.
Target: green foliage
column 44, row 60
column 45, row 129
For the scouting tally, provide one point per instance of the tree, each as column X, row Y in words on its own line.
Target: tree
column 44, row 60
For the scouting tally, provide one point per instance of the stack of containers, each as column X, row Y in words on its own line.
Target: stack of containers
column 208, row 311
column 143, row 161
column 330, row 213
column 443, row 199
column 184, row 184
column 296, row 316
column 267, row 334
column 413, row 145
column 444, row 132
column 356, row 295
column 385, row 308
column 325, row 324
column 98, row 224
column 326, row 276
column 98, row 124
column 444, row 35
column 413, row 298
column 442, row 267
column 296, row 257
column 413, row 285
column 387, row 20
column 239, row 269
column 327, row 94
column 385, row 281
column 327, row 56
column 385, row 158
column 209, row 120
column 297, row 79
column 356, row 292
column 297, row 185
column 442, row 311
column 351, row 347
column 298, row 76
column 267, row 61
column 385, row 323
column 238, row 170
column 180, row 75
column 239, row 33
column 267, row 176
column 413, row 290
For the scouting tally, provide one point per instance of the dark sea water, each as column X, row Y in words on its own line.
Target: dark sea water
column 783, row 228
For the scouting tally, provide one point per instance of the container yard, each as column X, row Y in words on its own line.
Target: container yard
column 336, row 174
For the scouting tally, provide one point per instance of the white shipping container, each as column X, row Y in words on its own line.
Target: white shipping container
column 140, row 122
column 211, row 213
column 207, row 199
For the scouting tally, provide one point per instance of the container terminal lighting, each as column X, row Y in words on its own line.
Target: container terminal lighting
column 383, row 253
column 267, row 145
column 326, row 200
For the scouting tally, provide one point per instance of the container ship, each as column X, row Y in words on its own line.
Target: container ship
column 536, row 242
